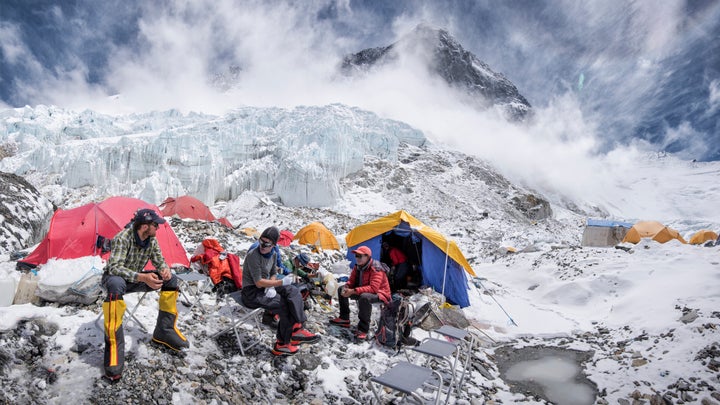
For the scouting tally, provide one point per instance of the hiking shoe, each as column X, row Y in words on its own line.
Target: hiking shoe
column 301, row 336
column 270, row 319
column 284, row 349
column 345, row 323
column 360, row 335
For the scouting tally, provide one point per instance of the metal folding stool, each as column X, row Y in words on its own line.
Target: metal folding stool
column 440, row 350
column 459, row 336
column 131, row 314
column 198, row 279
column 245, row 315
column 407, row 378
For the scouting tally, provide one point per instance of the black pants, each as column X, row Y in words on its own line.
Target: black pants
column 400, row 276
column 118, row 286
column 287, row 303
column 365, row 302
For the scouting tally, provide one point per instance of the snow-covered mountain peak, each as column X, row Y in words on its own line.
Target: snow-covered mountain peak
column 445, row 57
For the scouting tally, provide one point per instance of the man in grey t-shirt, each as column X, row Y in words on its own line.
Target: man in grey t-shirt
column 261, row 289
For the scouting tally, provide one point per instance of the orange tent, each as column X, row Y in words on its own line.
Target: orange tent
column 702, row 236
column 651, row 229
column 186, row 207
column 317, row 235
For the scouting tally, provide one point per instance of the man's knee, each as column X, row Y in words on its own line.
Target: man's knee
column 115, row 285
column 171, row 284
column 367, row 298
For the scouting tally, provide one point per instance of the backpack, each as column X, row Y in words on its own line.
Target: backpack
column 393, row 324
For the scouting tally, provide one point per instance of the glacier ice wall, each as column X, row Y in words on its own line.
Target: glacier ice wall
column 299, row 154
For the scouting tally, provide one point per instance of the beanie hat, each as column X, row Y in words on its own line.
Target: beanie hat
column 272, row 234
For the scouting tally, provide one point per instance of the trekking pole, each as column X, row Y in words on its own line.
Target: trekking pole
column 477, row 281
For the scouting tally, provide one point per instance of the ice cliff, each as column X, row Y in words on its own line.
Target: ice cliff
column 298, row 154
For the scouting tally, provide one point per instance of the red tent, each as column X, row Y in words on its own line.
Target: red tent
column 286, row 238
column 73, row 233
column 186, row 207
column 225, row 222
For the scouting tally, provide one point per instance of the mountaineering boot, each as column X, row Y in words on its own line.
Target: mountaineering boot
column 281, row 349
column 166, row 332
column 114, row 360
column 301, row 335
column 360, row 335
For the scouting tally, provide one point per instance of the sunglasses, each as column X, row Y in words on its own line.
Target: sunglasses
column 155, row 225
column 266, row 244
column 359, row 256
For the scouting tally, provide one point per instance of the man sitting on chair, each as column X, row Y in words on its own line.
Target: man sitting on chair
column 262, row 289
column 131, row 250
column 369, row 284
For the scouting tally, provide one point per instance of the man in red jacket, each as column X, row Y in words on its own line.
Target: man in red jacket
column 368, row 284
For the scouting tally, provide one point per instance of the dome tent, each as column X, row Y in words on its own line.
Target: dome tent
column 186, row 207
column 440, row 260
column 651, row 229
column 702, row 236
column 74, row 233
column 317, row 235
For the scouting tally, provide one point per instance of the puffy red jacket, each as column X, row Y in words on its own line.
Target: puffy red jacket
column 374, row 280
column 217, row 268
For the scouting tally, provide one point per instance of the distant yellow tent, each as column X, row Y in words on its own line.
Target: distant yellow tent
column 652, row 229
column 702, row 236
column 251, row 232
column 317, row 235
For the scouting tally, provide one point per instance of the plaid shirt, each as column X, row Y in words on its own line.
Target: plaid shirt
column 127, row 258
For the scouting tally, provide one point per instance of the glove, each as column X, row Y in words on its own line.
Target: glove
column 270, row 292
column 287, row 280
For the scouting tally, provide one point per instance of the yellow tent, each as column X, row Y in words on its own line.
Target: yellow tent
column 251, row 232
column 702, row 236
column 441, row 262
column 317, row 235
column 651, row 229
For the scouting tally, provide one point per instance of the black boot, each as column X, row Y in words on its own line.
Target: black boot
column 114, row 359
column 166, row 331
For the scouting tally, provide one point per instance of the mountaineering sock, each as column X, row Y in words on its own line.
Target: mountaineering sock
column 166, row 331
column 114, row 358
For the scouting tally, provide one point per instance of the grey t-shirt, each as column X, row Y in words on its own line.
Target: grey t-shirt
column 255, row 267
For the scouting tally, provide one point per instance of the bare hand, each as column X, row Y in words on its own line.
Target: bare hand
column 151, row 279
column 347, row 292
column 165, row 274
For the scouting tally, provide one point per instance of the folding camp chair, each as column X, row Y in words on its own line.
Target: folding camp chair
column 465, row 347
column 202, row 284
column 131, row 314
column 407, row 378
column 243, row 315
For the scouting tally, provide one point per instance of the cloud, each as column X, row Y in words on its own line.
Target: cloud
column 287, row 55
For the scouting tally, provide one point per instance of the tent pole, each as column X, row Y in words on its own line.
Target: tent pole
column 447, row 249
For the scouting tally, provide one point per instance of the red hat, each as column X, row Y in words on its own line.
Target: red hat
column 363, row 250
